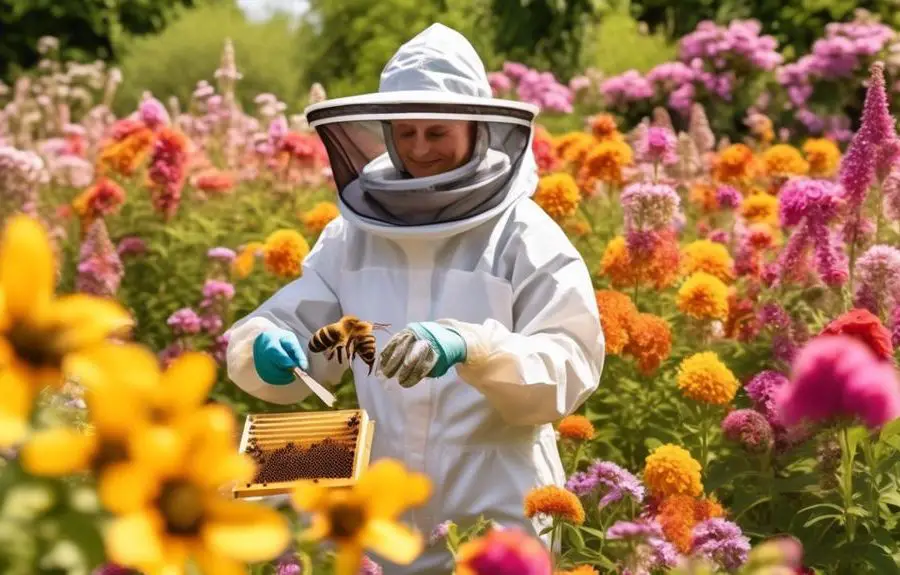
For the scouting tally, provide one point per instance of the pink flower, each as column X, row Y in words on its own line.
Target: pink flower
column 838, row 377
column 152, row 113
column 658, row 145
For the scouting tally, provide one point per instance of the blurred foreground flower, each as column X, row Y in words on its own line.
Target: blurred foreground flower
column 365, row 516
column 38, row 331
column 503, row 552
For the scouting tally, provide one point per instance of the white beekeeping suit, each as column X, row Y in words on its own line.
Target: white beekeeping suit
column 467, row 248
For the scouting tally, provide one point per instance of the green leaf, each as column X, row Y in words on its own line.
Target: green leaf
column 820, row 518
column 575, row 532
column 834, row 506
column 595, row 532
column 890, row 429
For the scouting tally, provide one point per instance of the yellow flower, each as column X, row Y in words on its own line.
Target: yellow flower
column 576, row 427
column 783, row 160
column 704, row 378
column 734, row 164
column 242, row 265
column 703, row 296
column 555, row 502
column 37, row 330
column 165, row 518
column 284, row 252
column 604, row 163
column 580, row 570
column 670, row 470
column 124, row 157
column 365, row 515
column 710, row 257
column 558, row 195
column 573, row 147
column 760, row 208
column 319, row 216
column 823, row 155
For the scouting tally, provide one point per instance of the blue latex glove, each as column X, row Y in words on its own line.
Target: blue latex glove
column 423, row 349
column 275, row 354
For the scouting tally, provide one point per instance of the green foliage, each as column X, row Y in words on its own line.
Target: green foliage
column 544, row 33
column 618, row 44
column 348, row 42
column 87, row 29
column 190, row 50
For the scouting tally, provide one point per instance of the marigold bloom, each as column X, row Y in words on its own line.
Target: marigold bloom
column 603, row 127
column 670, row 470
column 366, row 515
column 283, row 253
column 708, row 256
column 733, row 165
column 503, row 552
column 659, row 268
column 576, row 427
column 574, row 147
column 617, row 312
column 649, row 342
column 604, row 163
column 555, row 502
column 760, row 208
column 823, row 156
column 703, row 196
column 242, row 265
column 703, row 296
column 558, row 195
column 783, row 161
column 319, row 216
column 679, row 514
column 704, row 378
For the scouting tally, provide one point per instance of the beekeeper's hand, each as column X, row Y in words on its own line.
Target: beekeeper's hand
column 421, row 350
column 275, row 354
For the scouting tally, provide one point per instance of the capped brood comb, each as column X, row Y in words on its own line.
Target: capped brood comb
column 331, row 448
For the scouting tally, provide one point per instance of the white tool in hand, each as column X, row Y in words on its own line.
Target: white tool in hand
column 326, row 396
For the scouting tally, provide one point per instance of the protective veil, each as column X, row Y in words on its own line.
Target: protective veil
column 467, row 248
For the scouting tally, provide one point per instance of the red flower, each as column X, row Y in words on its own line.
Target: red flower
column 867, row 328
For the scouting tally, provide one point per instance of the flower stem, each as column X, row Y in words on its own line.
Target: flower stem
column 554, row 535
column 576, row 457
column 847, row 483
column 704, row 436
column 879, row 217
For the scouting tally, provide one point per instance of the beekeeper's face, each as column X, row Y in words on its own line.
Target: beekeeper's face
column 431, row 147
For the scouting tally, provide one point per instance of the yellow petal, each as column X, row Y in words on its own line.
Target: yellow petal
column 245, row 531
column 88, row 320
column 215, row 468
column 187, row 381
column 348, row 560
column 159, row 448
column 114, row 364
column 27, row 267
column 214, row 424
column 392, row 541
column 318, row 529
column 391, row 489
column 126, row 487
column 135, row 540
column 308, row 496
column 16, row 400
column 212, row 563
column 5, row 320
column 58, row 452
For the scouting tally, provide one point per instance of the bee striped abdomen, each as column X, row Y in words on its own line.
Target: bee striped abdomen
column 325, row 338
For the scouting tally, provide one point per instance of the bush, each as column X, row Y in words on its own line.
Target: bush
column 190, row 50
column 619, row 44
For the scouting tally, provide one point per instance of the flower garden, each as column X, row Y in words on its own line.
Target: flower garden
column 748, row 415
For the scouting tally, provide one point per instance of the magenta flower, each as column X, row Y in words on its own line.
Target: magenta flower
column 750, row 429
column 837, row 377
column 658, row 146
column 878, row 271
column 152, row 113
column 131, row 246
column 728, row 198
column 185, row 321
column 721, row 541
column 221, row 254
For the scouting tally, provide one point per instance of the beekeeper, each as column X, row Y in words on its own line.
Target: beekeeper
column 496, row 332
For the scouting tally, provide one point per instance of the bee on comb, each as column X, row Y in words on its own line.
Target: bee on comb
column 348, row 337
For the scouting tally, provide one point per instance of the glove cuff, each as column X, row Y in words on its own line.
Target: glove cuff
column 449, row 353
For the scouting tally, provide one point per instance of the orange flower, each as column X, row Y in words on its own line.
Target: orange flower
column 558, row 195
column 284, row 252
column 649, row 342
column 320, row 216
column 125, row 156
column 580, row 570
column 823, row 156
column 213, row 180
column 783, row 161
column 704, row 197
column 617, row 313
column 604, row 163
column 659, row 268
column 103, row 198
column 679, row 514
column 555, row 502
column 733, row 164
column 576, row 428
column 603, row 127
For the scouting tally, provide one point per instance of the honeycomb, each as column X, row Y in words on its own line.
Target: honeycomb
column 330, row 448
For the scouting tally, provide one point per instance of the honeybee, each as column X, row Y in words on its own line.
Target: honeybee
column 350, row 336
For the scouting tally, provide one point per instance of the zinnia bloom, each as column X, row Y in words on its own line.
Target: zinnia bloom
column 576, row 427
column 503, row 552
column 867, row 328
column 365, row 516
column 617, row 312
column 760, row 208
column 783, row 161
column 704, row 378
column 556, row 502
column 649, row 342
column 836, row 376
column 710, row 257
column 823, row 156
column 750, row 429
column 670, row 470
column 558, row 195
column 284, row 252
column 38, row 331
column 703, row 296
column 319, row 216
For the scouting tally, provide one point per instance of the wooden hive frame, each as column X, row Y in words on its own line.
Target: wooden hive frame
column 274, row 430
